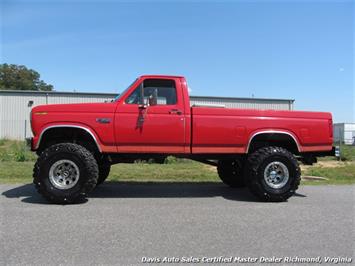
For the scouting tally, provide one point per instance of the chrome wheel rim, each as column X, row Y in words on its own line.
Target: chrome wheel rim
column 276, row 175
column 64, row 174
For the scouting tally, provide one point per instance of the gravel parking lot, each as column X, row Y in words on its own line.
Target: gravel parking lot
column 121, row 223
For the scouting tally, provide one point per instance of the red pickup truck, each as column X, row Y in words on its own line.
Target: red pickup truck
column 152, row 118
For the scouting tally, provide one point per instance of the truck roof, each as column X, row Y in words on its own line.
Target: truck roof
column 160, row 76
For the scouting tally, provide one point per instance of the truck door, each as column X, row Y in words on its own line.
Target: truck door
column 150, row 118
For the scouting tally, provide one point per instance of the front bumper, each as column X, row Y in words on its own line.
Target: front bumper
column 29, row 143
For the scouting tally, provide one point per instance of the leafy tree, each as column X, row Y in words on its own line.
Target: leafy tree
column 18, row 77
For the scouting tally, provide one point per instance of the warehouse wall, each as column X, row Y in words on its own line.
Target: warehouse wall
column 15, row 115
column 345, row 133
column 14, row 109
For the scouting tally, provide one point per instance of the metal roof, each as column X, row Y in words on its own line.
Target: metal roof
column 57, row 92
column 115, row 94
column 242, row 98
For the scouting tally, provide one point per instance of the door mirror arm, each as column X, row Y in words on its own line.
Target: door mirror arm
column 143, row 106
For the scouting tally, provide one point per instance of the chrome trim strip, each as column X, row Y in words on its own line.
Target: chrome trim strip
column 271, row 132
column 71, row 126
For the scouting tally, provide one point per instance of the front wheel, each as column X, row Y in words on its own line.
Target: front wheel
column 65, row 173
column 104, row 171
column 273, row 174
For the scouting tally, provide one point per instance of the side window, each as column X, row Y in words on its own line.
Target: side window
column 136, row 96
column 163, row 90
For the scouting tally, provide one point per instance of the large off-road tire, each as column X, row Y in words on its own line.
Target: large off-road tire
column 272, row 174
column 231, row 172
column 65, row 173
column 104, row 171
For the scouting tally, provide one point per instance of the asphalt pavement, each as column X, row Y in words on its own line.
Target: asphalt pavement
column 133, row 223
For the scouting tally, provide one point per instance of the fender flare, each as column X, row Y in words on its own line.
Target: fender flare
column 70, row 126
column 273, row 132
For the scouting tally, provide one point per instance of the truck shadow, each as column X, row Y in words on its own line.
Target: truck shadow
column 28, row 193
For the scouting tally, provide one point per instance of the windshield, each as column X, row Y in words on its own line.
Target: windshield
column 124, row 92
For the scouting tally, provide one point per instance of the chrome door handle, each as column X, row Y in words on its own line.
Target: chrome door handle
column 175, row 111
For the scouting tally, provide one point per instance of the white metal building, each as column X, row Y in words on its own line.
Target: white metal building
column 344, row 133
column 15, row 106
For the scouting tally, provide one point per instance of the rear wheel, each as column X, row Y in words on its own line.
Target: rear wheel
column 231, row 172
column 273, row 174
column 65, row 173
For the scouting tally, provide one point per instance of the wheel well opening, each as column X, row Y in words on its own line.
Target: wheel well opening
column 68, row 134
column 273, row 139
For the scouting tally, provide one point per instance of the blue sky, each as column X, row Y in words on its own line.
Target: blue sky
column 302, row 50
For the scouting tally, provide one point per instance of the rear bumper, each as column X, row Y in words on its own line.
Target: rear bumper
column 332, row 152
column 309, row 158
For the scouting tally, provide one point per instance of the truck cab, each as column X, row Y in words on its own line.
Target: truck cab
column 153, row 115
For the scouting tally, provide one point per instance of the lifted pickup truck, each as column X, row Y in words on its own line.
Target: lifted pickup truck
column 152, row 118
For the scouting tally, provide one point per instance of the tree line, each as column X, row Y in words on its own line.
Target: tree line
column 19, row 77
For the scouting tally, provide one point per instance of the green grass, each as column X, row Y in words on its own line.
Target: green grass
column 15, row 151
column 347, row 153
column 186, row 171
column 2, row 142
column 16, row 172
column 21, row 172
column 344, row 174
column 16, row 164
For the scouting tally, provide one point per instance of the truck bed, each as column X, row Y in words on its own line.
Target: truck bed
column 231, row 129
